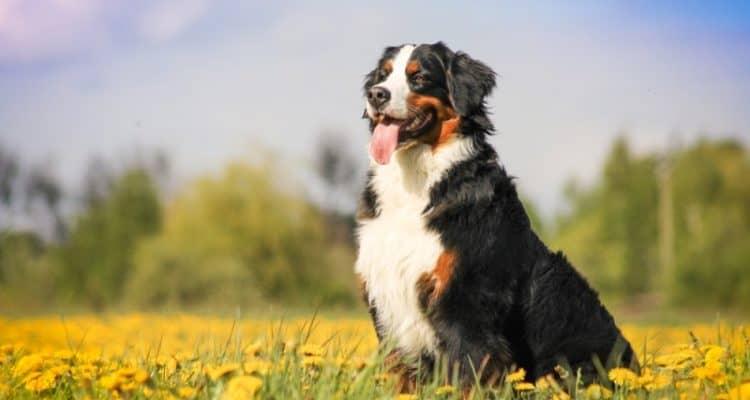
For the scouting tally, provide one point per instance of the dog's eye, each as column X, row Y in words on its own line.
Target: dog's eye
column 419, row 78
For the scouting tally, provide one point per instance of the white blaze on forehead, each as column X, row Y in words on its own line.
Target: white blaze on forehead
column 397, row 84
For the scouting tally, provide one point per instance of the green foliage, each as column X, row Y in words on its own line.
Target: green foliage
column 611, row 229
column 712, row 224
column 675, row 223
column 25, row 272
column 97, row 259
column 615, row 229
column 239, row 239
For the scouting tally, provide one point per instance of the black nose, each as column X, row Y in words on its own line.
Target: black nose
column 378, row 96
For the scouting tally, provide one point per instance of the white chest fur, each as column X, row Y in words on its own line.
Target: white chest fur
column 395, row 248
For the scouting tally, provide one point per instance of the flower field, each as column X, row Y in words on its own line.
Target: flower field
column 149, row 356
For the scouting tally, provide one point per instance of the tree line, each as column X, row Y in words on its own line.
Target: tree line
column 672, row 224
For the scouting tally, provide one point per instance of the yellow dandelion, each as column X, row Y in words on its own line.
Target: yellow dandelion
column 741, row 392
column 710, row 371
column 186, row 392
column 253, row 349
column 260, row 367
column 623, row 377
column 7, row 349
column 516, row 376
column 11, row 349
column 445, row 389
column 715, row 353
column 217, row 372
column 677, row 361
column 691, row 386
column 126, row 372
column 141, row 376
column 242, row 387
column 596, row 392
column 184, row 356
column 39, row 382
column 404, row 396
column 87, row 358
column 110, row 382
column 543, row 382
column 560, row 396
column 523, row 386
column 128, row 386
column 84, row 372
column 147, row 392
column 59, row 370
column 656, row 382
column 64, row 355
column 28, row 364
column 172, row 365
column 313, row 361
column 358, row 363
column 700, row 373
column 309, row 349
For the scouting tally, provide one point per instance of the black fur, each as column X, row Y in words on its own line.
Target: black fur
column 510, row 300
column 368, row 202
column 528, row 305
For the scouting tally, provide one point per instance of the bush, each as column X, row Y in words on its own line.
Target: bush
column 239, row 239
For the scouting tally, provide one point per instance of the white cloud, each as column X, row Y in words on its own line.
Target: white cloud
column 37, row 30
column 40, row 30
column 166, row 19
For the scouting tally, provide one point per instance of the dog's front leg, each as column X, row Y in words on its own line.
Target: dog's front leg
column 469, row 341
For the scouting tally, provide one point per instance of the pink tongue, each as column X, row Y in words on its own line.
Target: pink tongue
column 384, row 141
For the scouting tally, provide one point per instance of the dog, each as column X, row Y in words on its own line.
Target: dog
column 449, row 265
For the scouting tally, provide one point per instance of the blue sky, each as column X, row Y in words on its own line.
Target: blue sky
column 211, row 81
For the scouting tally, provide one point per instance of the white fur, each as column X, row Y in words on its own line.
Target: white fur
column 395, row 248
column 396, row 82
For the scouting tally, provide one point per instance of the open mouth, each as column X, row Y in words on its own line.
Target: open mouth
column 407, row 127
column 390, row 132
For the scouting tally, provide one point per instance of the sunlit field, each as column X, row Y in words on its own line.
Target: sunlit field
column 149, row 356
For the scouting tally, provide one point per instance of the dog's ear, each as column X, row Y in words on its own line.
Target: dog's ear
column 469, row 82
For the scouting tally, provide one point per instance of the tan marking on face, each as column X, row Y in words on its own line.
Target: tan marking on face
column 446, row 120
column 448, row 129
column 388, row 66
column 412, row 67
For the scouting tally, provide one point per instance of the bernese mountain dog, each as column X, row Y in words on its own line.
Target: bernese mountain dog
column 449, row 265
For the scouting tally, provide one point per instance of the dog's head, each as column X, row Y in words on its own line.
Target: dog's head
column 425, row 94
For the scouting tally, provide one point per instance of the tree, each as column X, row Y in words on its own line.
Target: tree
column 629, row 206
column 611, row 226
column 8, row 175
column 97, row 259
column 712, row 224
column 703, row 206
column 43, row 186
column 338, row 170
column 239, row 239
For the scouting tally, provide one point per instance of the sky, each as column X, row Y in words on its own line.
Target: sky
column 214, row 81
